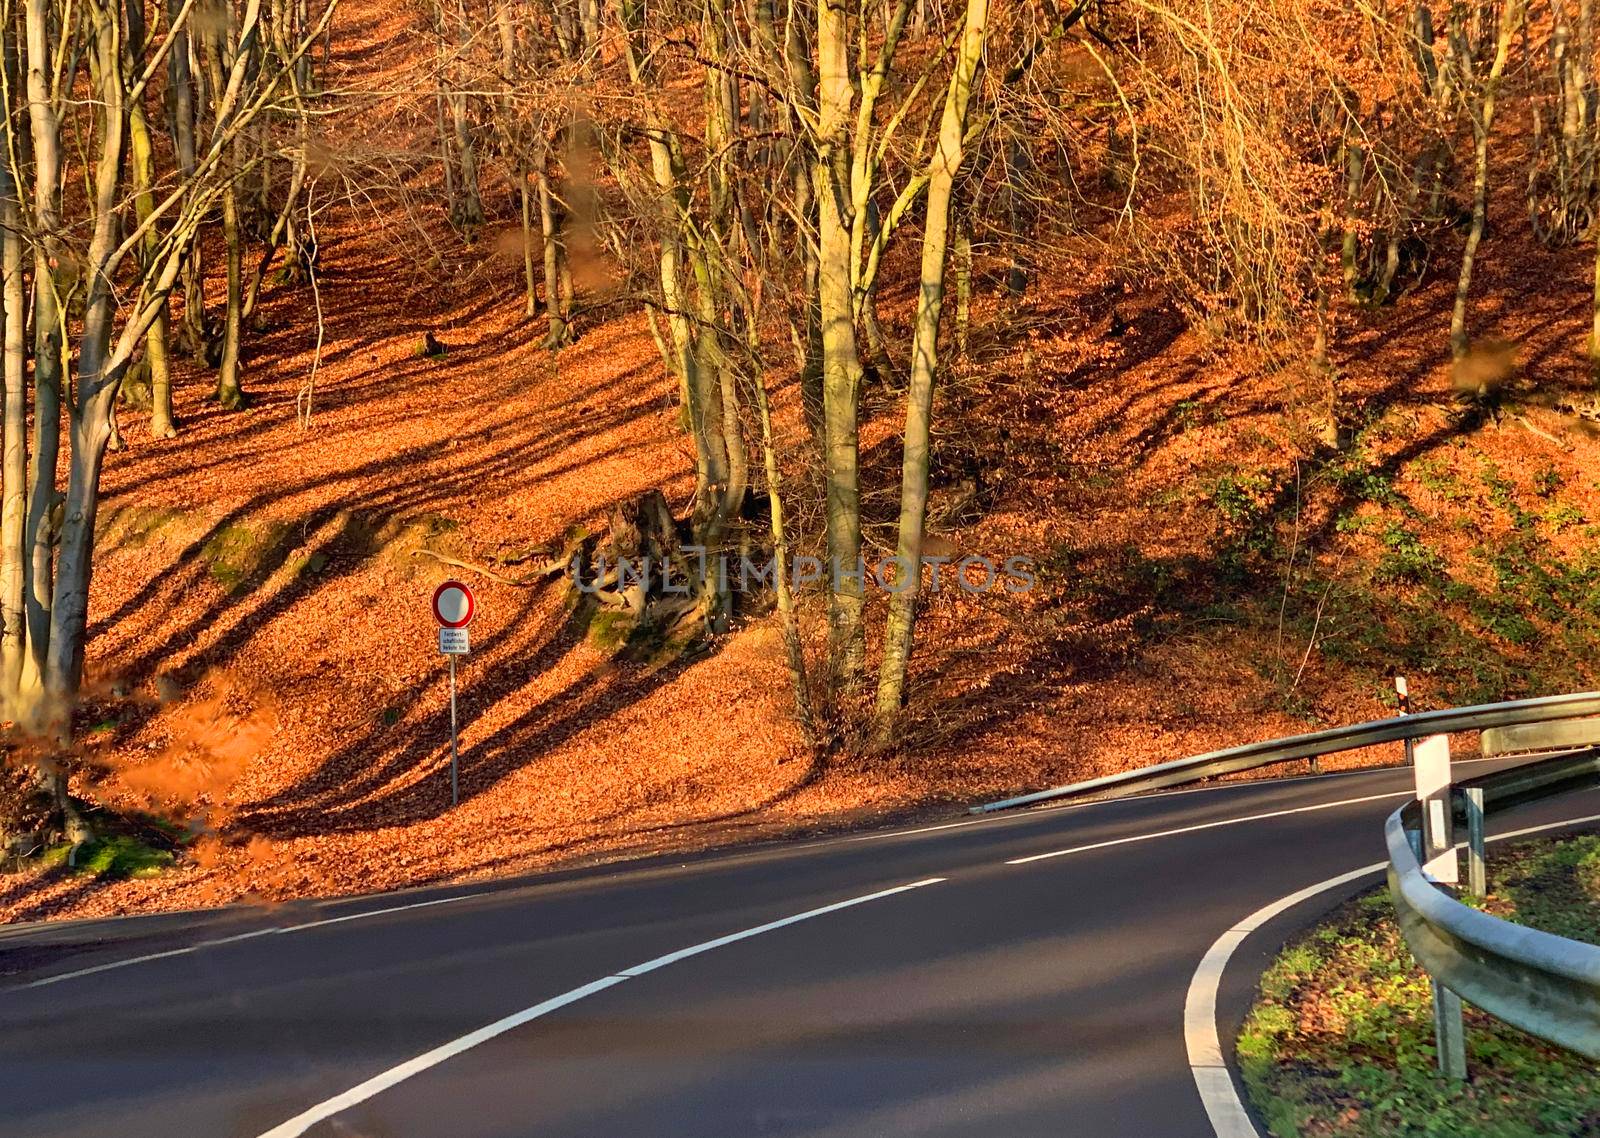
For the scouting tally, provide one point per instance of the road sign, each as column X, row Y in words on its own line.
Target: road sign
column 453, row 605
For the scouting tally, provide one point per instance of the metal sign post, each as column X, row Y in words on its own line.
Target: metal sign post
column 455, row 762
column 453, row 607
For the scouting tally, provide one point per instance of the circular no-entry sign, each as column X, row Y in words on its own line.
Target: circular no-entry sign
column 453, row 605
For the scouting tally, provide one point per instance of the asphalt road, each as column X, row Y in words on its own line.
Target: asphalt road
column 997, row 996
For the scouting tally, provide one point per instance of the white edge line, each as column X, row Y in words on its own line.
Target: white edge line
column 214, row 942
column 1258, row 783
column 382, row 1081
column 1212, row 1078
column 1207, row 826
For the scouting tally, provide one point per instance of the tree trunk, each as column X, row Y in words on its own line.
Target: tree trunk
column 14, row 465
column 180, row 85
column 529, row 281
column 469, row 204
column 156, row 351
column 230, row 393
column 841, row 361
column 963, row 284
column 49, row 351
column 555, row 299
column 1483, row 123
column 1594, row 332
column 810, row 347
column 589, row 15
column 900, row 630
column 793, row 646
column 1020, row 213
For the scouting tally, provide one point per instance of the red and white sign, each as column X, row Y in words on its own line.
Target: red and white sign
column 453, row 605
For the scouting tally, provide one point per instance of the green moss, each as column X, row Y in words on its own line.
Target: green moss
column 238, row 555
column 133, row 527
column 112, row 858
column 611, row 629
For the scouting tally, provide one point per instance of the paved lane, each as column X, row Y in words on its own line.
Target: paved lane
column 1013, row 997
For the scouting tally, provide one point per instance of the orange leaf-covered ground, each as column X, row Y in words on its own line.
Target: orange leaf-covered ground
column 261, row 593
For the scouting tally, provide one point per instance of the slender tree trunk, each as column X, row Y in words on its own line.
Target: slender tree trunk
column 156, row 355
column 811, row 315
column 180, row 86
column 841, row 361
column 1594, row 332
column 95, row 393
column 1021, row 214
column 230, row 393
column 469, row 203
column 446, row 163
column 963, row 256
column 283, row 229
column 899, row 633
column 555, row 300
column 589, row 15
column 14, row 466
column 49, row 351
column 1483, row 122
column 793, row 646
column 1355, row 164
column 525, row 179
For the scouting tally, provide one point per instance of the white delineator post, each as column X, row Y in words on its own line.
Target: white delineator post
column 1430, row 766
column 453, row 608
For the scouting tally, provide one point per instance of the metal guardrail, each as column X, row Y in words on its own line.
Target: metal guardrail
column 1230, row 760
column 1545, row 738
column 1546, row 985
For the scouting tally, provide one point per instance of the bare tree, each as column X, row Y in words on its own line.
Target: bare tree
column 134, row 248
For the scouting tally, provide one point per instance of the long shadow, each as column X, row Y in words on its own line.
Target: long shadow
column 367, row 794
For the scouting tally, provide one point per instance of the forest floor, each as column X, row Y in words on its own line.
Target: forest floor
column 265, row 657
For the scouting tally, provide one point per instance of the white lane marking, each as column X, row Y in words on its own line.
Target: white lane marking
column 373, row 913
column 707, row 946
column 1207, row 826
column 381, row 1082
column 1211, row 1075
column 1243, row 784
column 1258, row 783
column 360, row 1093
column 213, row 943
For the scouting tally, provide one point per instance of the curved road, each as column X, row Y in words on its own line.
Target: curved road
column 1011, row 976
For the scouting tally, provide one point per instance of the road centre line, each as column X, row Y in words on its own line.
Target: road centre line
column 219, row 941
column 216, row 941
column 382, row 1081
column 1207, row 826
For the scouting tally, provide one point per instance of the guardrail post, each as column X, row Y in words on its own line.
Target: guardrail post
column 1477, row 866
column 1449, row 1033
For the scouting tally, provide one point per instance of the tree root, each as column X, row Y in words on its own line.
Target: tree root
column 1537, row 430
column 517, row 582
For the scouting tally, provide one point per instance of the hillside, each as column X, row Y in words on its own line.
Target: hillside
column 262, row 659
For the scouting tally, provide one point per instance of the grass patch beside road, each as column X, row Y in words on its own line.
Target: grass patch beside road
column 1340, row 1041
